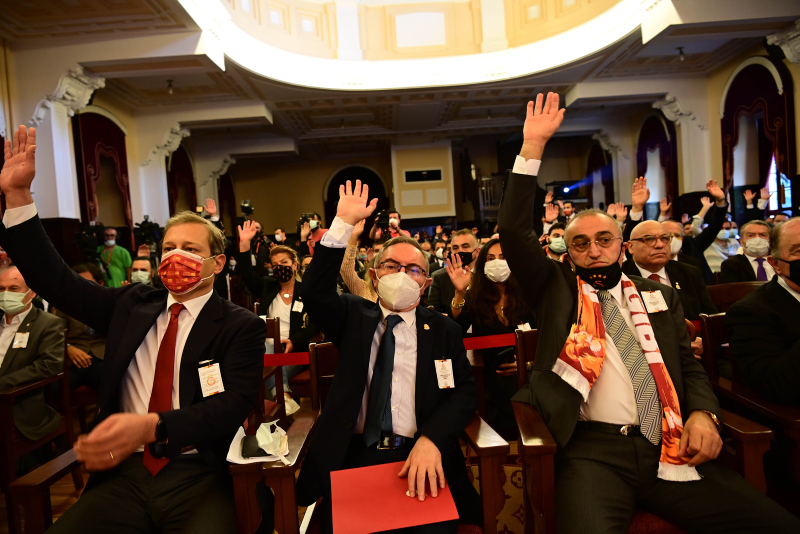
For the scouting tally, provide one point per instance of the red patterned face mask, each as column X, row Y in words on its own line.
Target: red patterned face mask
column 180, row 271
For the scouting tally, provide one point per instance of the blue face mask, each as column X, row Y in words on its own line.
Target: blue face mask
column 724, row 234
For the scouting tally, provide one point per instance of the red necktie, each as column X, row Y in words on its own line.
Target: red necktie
column 161, row 396
column 654, row 277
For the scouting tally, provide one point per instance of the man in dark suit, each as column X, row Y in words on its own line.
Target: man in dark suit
column 603, row 474
column 31, row 348
column 650, row 246
column 764, row 336
column 157, row 450
column 386, row 392
column 441, row 293
column 691, row 245
column 752, row 265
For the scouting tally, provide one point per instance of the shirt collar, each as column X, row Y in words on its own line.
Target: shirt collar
column 193, row 306
column 616, row 292
column 18, row 318
column 646, row 274
column 409, row 317
column 785, row 286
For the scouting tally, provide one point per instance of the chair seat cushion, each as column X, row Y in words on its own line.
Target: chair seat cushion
column 647, row 523
column 302, row 378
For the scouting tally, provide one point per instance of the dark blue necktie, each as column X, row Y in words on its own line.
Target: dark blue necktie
column 761, row 272
column 379, row 410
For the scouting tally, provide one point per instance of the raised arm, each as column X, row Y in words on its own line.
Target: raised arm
column 348, row 268
column 521, row 245
column 254, row 283
column 717, row 218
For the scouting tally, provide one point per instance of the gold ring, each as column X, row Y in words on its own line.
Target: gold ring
column 112, row 455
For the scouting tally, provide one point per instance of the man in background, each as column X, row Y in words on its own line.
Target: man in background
column 117, row 259
column 752, row 264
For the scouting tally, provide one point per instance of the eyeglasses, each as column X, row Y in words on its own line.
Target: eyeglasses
column 602, row 242
column 650, row 240
column 392, row 267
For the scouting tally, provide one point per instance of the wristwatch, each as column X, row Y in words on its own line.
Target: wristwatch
column 159, row 447
column 714, row 418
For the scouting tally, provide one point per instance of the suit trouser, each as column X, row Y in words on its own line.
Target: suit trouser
column 185, row 496
column 359, row 455
column 602, row 479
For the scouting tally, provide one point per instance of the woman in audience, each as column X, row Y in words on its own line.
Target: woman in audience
column 279, row 297
column 492, row 306
column 364, row 288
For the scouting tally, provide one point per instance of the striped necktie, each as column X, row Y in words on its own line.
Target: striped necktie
column 648, row 404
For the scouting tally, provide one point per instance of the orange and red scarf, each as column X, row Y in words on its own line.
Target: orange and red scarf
column 581, row 360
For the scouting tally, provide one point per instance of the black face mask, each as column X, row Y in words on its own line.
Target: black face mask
column 794, row 271
column 282, row 272
column 466, row 257
column 600, row 277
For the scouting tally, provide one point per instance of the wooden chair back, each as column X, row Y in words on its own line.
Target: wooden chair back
column 322, row 359
column 274, row 333
column 715, row 338
column 526, row 352
column 725, row 295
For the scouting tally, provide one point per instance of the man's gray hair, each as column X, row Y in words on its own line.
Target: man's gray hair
column 592, row 212
column 759, row 223
column 396, row 241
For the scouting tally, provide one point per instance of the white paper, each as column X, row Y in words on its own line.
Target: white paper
column 235, row 452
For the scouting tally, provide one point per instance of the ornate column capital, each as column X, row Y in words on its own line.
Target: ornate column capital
column 172, row 140
column 789, row 41
column 222, row 169
column 605, row 141
column 73, row 93
column 673, row 111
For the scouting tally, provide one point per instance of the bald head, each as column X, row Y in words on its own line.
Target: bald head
column 648, row 228
column 648, row 247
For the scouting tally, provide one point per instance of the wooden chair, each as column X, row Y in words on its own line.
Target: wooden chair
column 81, row 398
column 742, row 399
column 724, row 295
column 491, row 449
column 301, row 383
column 279, row 410
column 14, row 445
column 538, row 449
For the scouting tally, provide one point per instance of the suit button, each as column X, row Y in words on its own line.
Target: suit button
column 348, row 426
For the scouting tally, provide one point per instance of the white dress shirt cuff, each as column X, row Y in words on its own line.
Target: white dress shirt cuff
column 750, row 206
column 762, row 203
column 636, row 215
column 523, row 166
column 215, row 218
column 15, row 216
column 337, row 235
column 546, row 227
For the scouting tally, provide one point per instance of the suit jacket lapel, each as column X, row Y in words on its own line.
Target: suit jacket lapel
column 372, row 316
column 675, row 279
column 205, row 327
column 748, row 268
column 425, row 357
column 25, row 326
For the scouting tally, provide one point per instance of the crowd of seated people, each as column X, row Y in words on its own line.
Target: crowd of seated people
column 468, row 285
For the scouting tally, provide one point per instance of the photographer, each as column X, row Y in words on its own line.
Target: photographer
column 392, row 226
column 309, row 226
column 117, row 258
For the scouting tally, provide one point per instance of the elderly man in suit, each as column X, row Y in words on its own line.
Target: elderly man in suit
column 388, row 402
column 31, row 348
column 763, row 326
column 158, row 446
column 441, row 294
column 752, row 265
column 631, row 410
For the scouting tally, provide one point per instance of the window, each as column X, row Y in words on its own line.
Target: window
column 780, row 187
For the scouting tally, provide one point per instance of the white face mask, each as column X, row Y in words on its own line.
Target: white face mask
column 675, row 245
column 497, row 270
column 140, row 276
column 394, row 222
column 12, row 303
column 558, row 245
column 757, row 246
column 278, row 238
column 440, row 253
column 313, row 224
column 398, row 291
column 723, row 234
column 110, row 242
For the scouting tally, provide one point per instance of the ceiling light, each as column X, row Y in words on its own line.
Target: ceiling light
column 681, row 55
column 169, row 86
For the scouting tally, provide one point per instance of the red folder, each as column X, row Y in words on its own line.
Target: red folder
column 373, row 499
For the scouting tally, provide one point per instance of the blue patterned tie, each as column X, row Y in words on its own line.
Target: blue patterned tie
column 379, row 409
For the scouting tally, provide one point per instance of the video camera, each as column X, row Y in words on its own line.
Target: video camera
column 304, row 218
column 147, row 232
column 382, row 221
column 247, row 208
column 86, row 239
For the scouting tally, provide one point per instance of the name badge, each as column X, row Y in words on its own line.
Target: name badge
column 654, row 301
column 211, row 379
column 297, row 306
column 444, row 374
column 20, row 340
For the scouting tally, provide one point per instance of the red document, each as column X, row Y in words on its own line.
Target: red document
column 373, row 499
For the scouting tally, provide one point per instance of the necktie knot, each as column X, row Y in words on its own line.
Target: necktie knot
column 604, row 295
column 654, row 277
column 175, row 310
column 392, row 321
column 760, row 261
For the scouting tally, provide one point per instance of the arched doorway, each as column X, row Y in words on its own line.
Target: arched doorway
column 180, row 182
column 657, row 160
column 356, row 172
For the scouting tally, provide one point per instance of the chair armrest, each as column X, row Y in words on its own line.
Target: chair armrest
column 742, row 429
column 46, row 475
column 483, row 439
column 534, row 437
column 786, row 416
column 16, row 391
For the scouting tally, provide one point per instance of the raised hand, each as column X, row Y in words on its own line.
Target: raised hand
column 664, row 206
column 438, row 229
column 612, row 209
column 143, row 250
column 622, row 212
column 640, row 194
column 685, row 218
column 765, row 194
column 551, row 212
column 304, row 231
column 541, row 122
column 715, row 190
column 460, row 274
column 548, row 198
column 354, row 204
column 211, row 206
column 19, row 168
column 247, row 232
column 706, row 202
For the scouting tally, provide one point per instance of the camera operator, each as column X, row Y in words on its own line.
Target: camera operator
column 117, row 258
column 309, row 226
column 393, row 228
